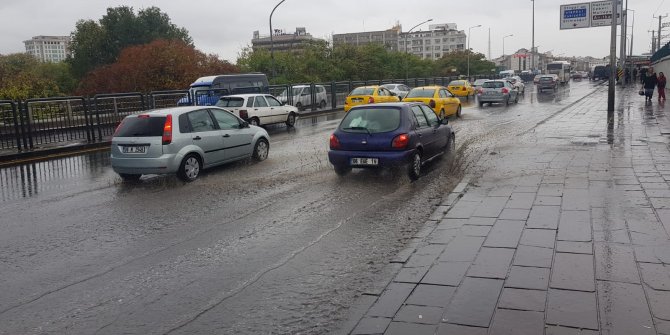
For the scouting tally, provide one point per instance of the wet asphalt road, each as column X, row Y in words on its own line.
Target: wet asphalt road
column 282, row 246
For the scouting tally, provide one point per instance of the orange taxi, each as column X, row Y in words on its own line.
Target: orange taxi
column 368, row 95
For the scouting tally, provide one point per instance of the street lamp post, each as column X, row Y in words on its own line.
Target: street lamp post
column 468, row 51
column 503, row 50
column 407, row 33
column 532, row 48
column 632, row 30
column 272, row 54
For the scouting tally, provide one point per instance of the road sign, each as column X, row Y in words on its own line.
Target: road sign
column 601, row 13
column 575, row 16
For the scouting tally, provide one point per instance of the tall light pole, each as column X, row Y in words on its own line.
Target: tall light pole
column 272, row 45
column 477, row 26
column 407, row 33
column 632, row 30
column 532, row 48
column 504, row 37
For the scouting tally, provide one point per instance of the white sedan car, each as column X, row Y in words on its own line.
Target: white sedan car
column 259, row 109
column 400, row 90
column 518, row 84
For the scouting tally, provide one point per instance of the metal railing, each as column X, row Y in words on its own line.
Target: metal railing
column 51, row 122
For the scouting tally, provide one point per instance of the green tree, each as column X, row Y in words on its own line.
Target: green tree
column 24, row 77
column 458, row 61
column 99, row 43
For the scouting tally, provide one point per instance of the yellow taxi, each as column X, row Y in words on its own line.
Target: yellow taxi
column 438, row 98
column 368, row 95
column 461, row 88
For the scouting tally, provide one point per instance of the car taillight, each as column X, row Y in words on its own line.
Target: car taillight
column 244, row 114
column 505, row 90
column 334, row 142
column 400, row 142
column 116, row 131
column 371, row 100
column 480, row 91
column 431, row 103
column 463, row 89
column 167, row 130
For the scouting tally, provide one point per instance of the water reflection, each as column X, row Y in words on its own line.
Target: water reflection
column 29, row 180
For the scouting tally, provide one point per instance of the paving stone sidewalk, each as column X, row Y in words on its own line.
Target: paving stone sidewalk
column 563, row 230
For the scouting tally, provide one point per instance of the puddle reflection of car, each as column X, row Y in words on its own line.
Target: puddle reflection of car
column 183, row 140
column 497, row 91
column 391, row 135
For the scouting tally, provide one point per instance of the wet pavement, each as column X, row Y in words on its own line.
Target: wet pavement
column 283, row 246
column 561, row 229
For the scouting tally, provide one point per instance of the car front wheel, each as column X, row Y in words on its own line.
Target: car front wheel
column 261, row 150
column 290, row 121
column 458, row 110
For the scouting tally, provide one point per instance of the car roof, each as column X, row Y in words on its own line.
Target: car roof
column 431, row 87
column 244, row 95
column 368, row 86
column 391, row 104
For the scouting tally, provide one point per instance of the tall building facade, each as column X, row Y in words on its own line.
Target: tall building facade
column 282, row 41
column 388, row 38
column 49, row 48
column 438, row 40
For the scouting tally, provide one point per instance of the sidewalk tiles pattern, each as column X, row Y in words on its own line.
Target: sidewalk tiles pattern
column 564, row 231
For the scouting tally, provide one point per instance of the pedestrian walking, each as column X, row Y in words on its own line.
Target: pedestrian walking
column 650, row 82
column 661, row 86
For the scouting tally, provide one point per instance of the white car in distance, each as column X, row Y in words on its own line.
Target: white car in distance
column 259, row 109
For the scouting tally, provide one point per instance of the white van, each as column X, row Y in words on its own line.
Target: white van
column 302, row 96
column 506, row 73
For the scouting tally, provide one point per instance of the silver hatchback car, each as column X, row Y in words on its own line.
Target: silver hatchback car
column 184, row 140
column 499, row 90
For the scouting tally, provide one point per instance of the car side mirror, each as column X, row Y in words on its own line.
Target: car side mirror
column 244, row 124
column 444, row 121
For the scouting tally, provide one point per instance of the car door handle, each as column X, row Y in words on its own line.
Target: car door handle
column 197, row 138
column 226, row 135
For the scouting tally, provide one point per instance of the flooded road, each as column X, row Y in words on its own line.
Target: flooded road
column 282, row 246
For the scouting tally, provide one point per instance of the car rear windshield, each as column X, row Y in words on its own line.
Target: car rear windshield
column 421, row 93
column 371, row 120
column 141, row 126
column 493, row 84
column 362, row 91
column 480, row 81
column 546, row 78
column 457, row 83
column 230, row 102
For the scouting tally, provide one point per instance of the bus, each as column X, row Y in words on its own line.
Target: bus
column 560, row 68
column 206, row 91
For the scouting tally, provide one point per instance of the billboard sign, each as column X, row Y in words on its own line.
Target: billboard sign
column 601, row 13
column 576, row 16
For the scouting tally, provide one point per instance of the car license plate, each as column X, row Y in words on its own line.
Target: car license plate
column 365, row 161
column 133, row 149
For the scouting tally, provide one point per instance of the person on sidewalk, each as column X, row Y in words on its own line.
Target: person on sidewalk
column 661, row 86
column 650, row 82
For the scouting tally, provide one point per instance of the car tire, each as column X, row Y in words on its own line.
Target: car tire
column 322, row 105
column 130, row 176
column 342, row 170
column 190, row 167
column 299, row 106
column 290, row 120
column 254, row 121
column 507, row 102
column 414, row 168
column 481, row 104
column 261, row 150
column 459, row 109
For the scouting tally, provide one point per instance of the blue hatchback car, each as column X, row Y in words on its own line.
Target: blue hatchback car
column 389, row 135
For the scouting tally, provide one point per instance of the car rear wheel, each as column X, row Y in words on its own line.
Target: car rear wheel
column 458, row 110
column 290, row 121
column 130, row 176
column 481, row 104
column 322, row 105
column 414, row 169
column 189, row 170
column 261, row 150
column 342, row 170
column 254, row 121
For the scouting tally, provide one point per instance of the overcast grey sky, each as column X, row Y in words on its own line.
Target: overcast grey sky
column 224, row 27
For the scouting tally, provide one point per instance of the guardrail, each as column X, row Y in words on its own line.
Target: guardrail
column 46, row 122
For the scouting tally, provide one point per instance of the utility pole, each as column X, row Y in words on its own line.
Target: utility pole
column 632, row 31
column 660, row 17
column 613, row 69
column 622, row 45
column 653, row 40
